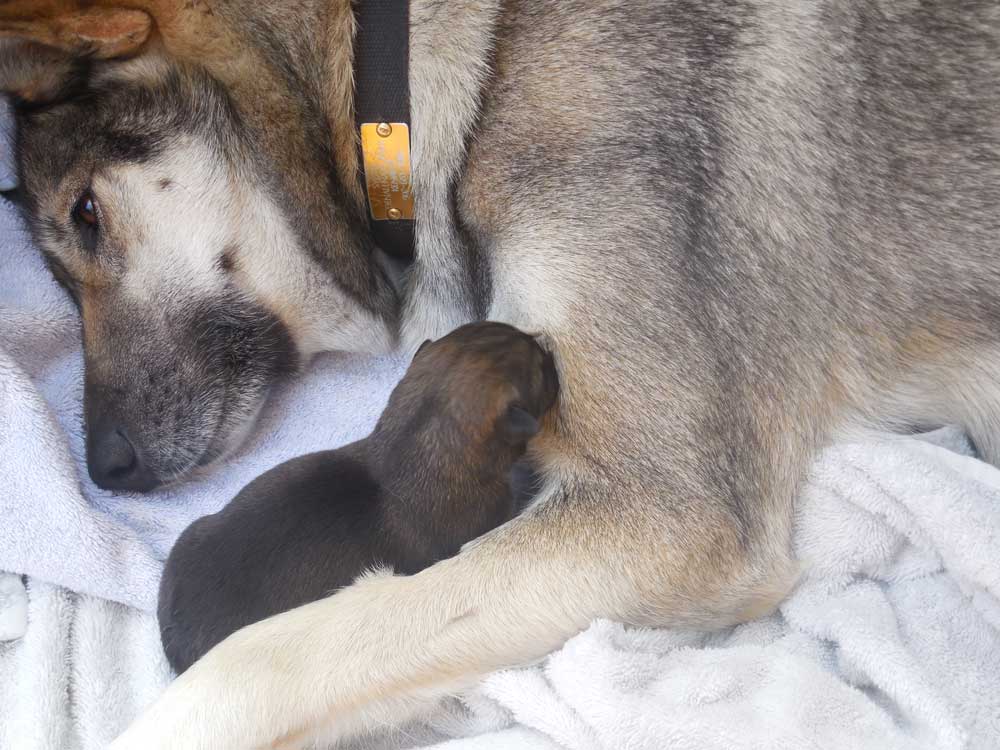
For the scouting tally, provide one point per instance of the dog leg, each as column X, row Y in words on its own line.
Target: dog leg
column 388, row 647
column 975, row 389
column 961, row 388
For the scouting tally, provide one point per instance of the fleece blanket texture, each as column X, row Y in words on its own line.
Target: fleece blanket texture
column 891, row 640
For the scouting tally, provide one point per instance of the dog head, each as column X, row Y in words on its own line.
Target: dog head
column 209, row 247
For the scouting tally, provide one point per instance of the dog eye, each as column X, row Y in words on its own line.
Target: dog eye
column 85, row 210
column 86, row 219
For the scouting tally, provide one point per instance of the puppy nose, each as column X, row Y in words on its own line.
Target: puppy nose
column 114, row 463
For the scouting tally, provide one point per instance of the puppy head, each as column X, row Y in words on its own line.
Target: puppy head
column 469, row 403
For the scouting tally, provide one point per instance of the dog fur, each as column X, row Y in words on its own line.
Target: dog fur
column 744, row 227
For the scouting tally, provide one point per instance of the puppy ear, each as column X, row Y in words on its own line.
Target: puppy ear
column 518, row 426
column 92, row 31
column 421, row 347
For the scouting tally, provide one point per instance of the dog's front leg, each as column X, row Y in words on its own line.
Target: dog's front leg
column 348, row 662
column 374, row 653
column 389, row 646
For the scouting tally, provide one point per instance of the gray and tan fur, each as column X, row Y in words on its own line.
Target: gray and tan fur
column 744, row 226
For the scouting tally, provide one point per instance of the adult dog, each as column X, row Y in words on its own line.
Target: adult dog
column 743, row 225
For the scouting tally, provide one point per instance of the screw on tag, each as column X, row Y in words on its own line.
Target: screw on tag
column 386, row 150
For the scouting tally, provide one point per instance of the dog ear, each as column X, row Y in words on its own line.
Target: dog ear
column 45, row 46
column 93, row 31
column 518, row 426
column 34, row 73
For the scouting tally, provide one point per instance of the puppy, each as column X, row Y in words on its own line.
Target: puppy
column 445, row 464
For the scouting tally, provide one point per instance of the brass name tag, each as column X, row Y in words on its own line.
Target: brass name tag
column 386, row 149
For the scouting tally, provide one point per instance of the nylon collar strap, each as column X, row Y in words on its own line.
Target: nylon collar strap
column 382, row 114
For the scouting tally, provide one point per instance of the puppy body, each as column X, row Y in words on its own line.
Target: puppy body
column 437, row 471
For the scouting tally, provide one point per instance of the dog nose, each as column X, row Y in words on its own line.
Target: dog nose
column 114, row 463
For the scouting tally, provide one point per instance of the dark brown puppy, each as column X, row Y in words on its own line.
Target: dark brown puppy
column 444, row 465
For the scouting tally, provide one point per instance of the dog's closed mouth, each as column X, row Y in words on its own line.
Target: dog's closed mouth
column 225, row 439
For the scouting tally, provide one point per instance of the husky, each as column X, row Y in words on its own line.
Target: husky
column 744, row 227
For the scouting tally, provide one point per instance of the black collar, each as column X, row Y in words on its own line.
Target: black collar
column 382, row 115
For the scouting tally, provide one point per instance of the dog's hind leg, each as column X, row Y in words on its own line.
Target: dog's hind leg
column 961, row 388
column 388, row 647
column 974, row 390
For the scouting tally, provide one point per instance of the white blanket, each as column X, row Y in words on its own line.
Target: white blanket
column 892, row 640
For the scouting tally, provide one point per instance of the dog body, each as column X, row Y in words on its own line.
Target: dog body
column 436, row 472
column 744, row 226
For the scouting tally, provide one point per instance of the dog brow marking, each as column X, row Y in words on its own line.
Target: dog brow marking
column 226, row 261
